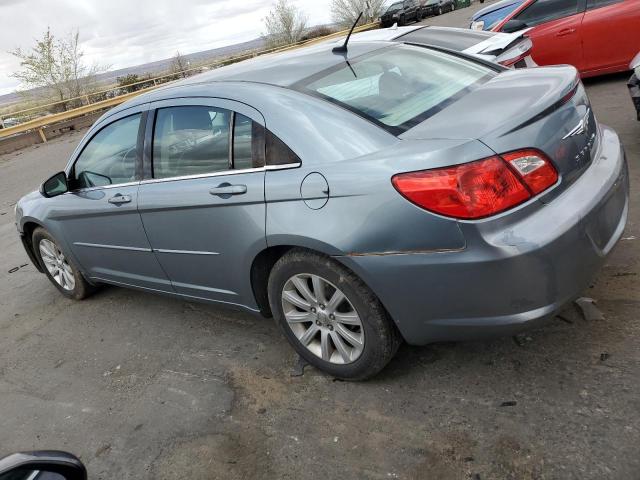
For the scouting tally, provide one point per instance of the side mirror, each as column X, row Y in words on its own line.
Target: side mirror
column 45, row 465
column 56, row 185
column 513, row 25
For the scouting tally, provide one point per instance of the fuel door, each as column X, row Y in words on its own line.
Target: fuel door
column 314, row 190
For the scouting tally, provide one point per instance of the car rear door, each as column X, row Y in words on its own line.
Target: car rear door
column 610, row 35
column 556, row 33
column 99, row 216
column 202, row 200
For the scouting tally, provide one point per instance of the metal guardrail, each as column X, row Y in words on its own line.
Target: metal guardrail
column 41, row 122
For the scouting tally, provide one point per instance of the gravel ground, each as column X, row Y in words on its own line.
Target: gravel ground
column 143, row 387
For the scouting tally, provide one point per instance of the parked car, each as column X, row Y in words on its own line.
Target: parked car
column 509, row 50
column 401, row 13
column 595, row 36
column 390, row 192
column 486, row 18
column 42, row 465
column 437, row 7
column 634, row 83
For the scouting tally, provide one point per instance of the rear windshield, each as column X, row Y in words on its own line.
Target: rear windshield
column 398, row 87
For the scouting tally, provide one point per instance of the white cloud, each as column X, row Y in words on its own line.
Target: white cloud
column 124, row 33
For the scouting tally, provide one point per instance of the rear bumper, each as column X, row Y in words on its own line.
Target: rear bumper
column 516, row 270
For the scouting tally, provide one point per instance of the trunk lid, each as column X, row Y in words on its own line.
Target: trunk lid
column 542, row 108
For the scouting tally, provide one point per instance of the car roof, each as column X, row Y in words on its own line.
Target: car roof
column 282, row 69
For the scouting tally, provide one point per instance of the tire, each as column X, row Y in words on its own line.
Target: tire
column 380, row 337
column 401, row 22
column 439, row 10
column 69, row 281
column 453, row 6
column 419, row 16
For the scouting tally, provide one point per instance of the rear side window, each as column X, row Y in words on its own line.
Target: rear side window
column 248, row 143
column 190, row 141
column 591, row 4
column 278, row 153
column 110, row 156
column 398, row 87
column 547, row 10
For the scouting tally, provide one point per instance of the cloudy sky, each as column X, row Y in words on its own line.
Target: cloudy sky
column 124, row 33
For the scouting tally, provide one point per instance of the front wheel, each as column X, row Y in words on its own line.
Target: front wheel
column 439, row 10
column 330, row 317
column 60, row 270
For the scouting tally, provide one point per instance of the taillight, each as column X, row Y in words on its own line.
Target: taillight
column 479, row 189
column 534, row 168
column 516, row 53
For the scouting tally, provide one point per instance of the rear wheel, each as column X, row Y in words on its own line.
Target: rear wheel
column 330, row 317
column 60, row 270
column 453, row 6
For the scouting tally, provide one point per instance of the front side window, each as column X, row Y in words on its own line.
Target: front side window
column 190, row 140
column 547, row 10
column 398, row 87
column 110, row 156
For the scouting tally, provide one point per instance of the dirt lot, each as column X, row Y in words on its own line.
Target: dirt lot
column 144, row 387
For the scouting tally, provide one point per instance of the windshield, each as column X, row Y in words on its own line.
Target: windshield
column 398, row 87
column 395, row 7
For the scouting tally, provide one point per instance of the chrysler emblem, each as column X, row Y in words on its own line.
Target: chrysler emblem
column 581, row 127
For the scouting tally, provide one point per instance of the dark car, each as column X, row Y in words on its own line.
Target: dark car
column 401, row 13
column 437, row 7
column 634, row 83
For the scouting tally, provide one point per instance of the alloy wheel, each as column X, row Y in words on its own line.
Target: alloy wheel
column 57, row 265
column 322, row 318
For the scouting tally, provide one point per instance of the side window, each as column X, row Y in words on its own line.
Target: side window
column 110, row 156
column 248, row 143
column 191, row 140
column 547, row 10
column 278, row 153
column 591, row 4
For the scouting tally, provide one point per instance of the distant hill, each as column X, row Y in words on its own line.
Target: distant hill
column 162, row 66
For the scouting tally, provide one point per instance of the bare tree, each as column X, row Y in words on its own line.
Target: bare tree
column 58, row 66
column 285, row 24
column 345, row 12
column 179, row 65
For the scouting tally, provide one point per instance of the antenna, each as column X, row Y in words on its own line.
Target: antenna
column 343, row 48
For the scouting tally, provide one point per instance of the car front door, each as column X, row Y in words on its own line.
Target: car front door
column 98, row 217
column 202, row 199
column 556, row 33
column 610, row 35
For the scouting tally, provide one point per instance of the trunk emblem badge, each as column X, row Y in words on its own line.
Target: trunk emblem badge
column 581, row 127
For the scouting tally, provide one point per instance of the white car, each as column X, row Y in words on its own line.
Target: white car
column 507, row 49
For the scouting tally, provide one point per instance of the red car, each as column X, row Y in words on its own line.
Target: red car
column 595, row 36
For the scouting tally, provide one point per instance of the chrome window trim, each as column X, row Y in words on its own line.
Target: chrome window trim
column 221, row 173
column 104, row 187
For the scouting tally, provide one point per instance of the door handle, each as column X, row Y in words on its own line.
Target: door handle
column 120, row 199
column 565, row 31
column 225, row 190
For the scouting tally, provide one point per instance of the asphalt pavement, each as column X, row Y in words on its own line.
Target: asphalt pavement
column 148, row 387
